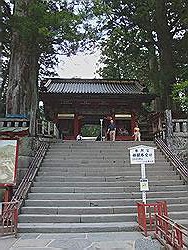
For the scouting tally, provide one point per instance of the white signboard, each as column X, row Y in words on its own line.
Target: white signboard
column 142, row 154
column 144, row 185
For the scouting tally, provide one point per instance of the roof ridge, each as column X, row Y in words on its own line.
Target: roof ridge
column 94, row 81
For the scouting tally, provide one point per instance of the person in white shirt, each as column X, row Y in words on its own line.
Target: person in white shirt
column 79, row 137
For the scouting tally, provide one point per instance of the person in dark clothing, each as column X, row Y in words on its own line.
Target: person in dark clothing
column 60, row 129
column 112, row 130
column 98, row 138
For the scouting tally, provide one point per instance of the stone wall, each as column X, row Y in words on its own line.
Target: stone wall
column 26, row 151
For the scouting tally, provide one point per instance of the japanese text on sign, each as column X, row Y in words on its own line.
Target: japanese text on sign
column 142, row 154
column 144, row 185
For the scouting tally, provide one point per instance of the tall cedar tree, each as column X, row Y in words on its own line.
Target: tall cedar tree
column 39, row 28
column 145, row 39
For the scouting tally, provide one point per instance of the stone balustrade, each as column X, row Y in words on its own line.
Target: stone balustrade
column 180, row 125
column 47, row 129
column 44, row 128
column 14, row 122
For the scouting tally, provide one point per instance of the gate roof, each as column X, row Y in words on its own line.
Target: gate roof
column 93, row 86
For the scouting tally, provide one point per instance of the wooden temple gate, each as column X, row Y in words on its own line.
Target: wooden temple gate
column 77, row 105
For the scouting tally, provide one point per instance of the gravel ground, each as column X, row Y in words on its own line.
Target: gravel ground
column 80, row 241
column 147, row 243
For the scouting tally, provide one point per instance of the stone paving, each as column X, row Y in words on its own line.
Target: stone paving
column 80, row 241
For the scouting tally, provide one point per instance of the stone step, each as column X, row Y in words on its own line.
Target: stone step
column 85, row 143
column 96, row 196
column 98, row 146
column 128, row 167
column 92, row 189
column 149, row 169
column 86, row 171
column 98, row 157
column 95, row 152
column 103, row 165
column 173, row 208
column 60, row 142
column 82, row 156
column 183, row 222
column 100, row 203
column 58, row 176
column 59, row 218
column 76, row 227
column 179, row 215
column 64, row 178
column 85, row 218
column 95, row 161
column 82, row 227
column 102, row 144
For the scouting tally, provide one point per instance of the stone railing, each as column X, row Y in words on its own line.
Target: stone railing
column 44, row 128
column 180, row 126
column 47, row 129
column 174, row 132
column 179, row 143
column 14, row 122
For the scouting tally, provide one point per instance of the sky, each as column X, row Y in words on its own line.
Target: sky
column 79, row 66
column 4, row 143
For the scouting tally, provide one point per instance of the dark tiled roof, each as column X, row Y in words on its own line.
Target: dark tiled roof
column 92, row 86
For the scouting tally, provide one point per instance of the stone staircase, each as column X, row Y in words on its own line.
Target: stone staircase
column 91, row 187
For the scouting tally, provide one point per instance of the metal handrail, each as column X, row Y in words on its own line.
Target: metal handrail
column 26, row 182
column 174, row 160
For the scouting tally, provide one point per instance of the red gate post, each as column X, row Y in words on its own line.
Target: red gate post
column 162, row 208
column 16, row 219
column 142, row 217
column 147, row 218
column 10, row 218
column 179, row 237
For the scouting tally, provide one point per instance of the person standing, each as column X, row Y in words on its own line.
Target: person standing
column 112, row 130
column 60, row 129
column 79, row 137
column 137, row 135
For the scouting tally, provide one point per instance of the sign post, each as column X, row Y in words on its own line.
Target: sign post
column 101, row 121
column 143, row 182
column 142, row 154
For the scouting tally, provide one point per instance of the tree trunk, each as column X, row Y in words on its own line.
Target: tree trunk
column 169, row 127
column 22, row 93
column 154, row 73
column 167, row 74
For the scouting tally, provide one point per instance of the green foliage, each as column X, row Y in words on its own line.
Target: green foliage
column 50, row 27
column 135, row 46
column 180, row 95
column 5, row 37
column 90, row 130
column 46, row 28
column 46, row 24
column 126, row 45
